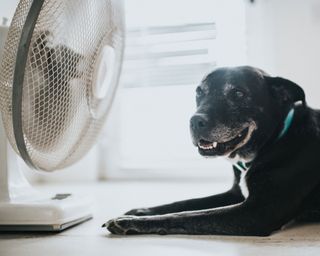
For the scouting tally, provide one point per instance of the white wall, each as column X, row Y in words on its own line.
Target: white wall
column 284, row 39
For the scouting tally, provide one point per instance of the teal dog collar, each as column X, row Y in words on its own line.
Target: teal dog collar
column 242, row 166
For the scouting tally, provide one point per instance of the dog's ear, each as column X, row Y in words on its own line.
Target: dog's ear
column 287, row 91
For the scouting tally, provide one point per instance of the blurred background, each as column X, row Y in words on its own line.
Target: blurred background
column 170, row 46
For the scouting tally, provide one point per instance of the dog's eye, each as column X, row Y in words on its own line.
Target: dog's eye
column 199, row 92
column 237, row 94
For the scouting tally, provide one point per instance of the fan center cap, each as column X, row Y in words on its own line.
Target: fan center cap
column 103, row 75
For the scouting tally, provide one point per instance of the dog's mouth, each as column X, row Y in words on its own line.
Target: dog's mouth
column 212, row 148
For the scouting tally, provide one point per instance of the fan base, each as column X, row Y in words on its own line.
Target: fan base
column 43, row 228
column 50, row 214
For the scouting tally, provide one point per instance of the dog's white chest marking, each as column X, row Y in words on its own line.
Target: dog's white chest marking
column 243, row 184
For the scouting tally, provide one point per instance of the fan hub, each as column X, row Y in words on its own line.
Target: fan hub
column 104, row 72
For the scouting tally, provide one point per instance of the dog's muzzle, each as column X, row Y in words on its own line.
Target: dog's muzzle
column 218, row 142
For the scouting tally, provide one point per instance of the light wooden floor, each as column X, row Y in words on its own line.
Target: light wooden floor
column 114, row 198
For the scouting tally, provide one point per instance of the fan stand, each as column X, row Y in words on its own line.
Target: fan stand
column 22, row 208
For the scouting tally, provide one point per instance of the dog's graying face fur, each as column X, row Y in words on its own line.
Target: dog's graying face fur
column 238, row 110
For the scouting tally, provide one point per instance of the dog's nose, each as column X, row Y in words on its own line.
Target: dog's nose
column 198, row 122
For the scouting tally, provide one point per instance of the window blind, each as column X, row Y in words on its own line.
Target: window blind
column 168, row 55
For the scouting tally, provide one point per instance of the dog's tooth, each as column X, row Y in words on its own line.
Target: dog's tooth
column 214, row 144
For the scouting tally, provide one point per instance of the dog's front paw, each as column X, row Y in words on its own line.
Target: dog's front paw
column 132, row 225
column 140, row 212
column 122, row 226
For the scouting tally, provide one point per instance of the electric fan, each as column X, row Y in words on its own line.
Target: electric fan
column 59, row 72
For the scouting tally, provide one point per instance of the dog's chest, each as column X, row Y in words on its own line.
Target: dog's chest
column 243, row 184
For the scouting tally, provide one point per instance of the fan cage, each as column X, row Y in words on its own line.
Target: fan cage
column 53, row 109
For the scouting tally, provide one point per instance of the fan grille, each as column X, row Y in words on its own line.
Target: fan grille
column 60, row 115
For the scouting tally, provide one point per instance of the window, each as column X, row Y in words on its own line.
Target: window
column 170, row 46
column 169, row 55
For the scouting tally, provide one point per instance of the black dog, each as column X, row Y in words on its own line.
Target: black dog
column 262, row 123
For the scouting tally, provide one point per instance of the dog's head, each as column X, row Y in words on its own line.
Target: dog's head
column 239, row 109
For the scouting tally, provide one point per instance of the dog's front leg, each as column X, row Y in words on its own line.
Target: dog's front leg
column 230, row 197
column 241, row 219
